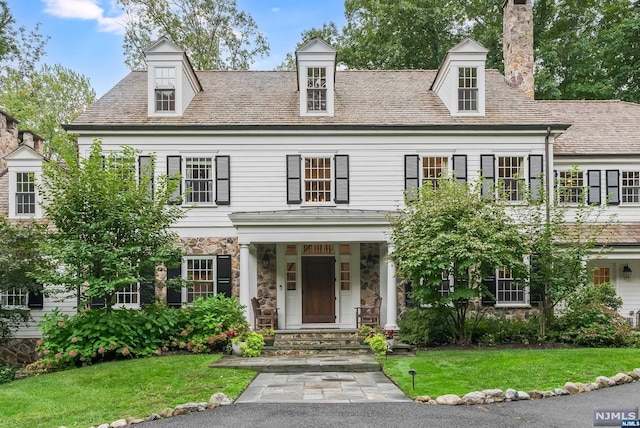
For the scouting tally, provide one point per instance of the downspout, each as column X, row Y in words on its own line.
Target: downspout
column 547, row 202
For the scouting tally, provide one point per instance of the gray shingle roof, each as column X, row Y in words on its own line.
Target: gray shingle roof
column 597, row 127
column 270, row 98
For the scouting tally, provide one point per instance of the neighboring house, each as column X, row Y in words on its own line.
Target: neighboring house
column 291, row 174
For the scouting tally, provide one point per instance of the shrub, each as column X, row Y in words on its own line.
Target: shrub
column 424, row 327
column 103, row 334
column 492, row 330
column 377, row 342
column 592, row 319
column 7, row 373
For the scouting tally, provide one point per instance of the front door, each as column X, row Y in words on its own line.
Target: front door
column 318, row 290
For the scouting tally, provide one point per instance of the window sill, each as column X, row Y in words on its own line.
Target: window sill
column 199, row 205
column 513, row 305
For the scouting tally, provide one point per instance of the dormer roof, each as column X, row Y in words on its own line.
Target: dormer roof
column 318, row 50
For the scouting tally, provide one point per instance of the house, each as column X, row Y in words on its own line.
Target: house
column 292, row 174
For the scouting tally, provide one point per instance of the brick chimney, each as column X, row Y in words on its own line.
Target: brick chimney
column 517, row 43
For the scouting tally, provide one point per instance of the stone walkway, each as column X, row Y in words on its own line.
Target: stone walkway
column 323, row 387
column 315, row 379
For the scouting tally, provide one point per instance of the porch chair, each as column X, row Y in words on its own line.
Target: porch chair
column 369, row 315
column 262, row 320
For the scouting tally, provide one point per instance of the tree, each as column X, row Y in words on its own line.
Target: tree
column 46, row 98
column 564, row 235
column 452, row 230
column 20, row 257
column 328, row 33
column 214, row 33
column 112, row 226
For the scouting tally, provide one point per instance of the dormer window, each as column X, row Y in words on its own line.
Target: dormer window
column 316, row 89
column 25, row 194
column 165, row 89
column 467, row 89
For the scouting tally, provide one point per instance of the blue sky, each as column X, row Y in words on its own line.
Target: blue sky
column 86, row 37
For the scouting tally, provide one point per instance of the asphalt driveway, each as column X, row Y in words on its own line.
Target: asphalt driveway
column 567, row 411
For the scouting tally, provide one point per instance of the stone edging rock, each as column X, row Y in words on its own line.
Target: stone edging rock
column 489, row 396
column 217, row 399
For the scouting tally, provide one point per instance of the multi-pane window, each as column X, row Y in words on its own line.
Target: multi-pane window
column 13, row 297
column 201, row 272
column 507, row 290
column 467, row 89
column 511, row 177
column 445, row 284
column 292, row 280
column 601, row 275
column 631, row 187
column 199, row 180
column 570, row 186
column 25, row 193
column 433, row 169
column 316, row 89
column 165, row 88
column 345, row 276
column 317, row 180
column 127, row 295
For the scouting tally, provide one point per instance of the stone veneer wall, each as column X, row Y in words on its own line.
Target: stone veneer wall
column 20, row 351
column 213, row 246
column 8, row 138
column 517, row 30
column 369, row 277
column 267, row 279
column 4, row 194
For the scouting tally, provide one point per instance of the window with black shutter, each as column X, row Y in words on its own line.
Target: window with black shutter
column 174, row 294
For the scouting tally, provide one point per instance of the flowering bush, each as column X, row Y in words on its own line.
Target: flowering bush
column 99, row 334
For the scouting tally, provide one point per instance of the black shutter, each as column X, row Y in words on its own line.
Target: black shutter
column 460, row 168
column 294, row 179
column 489, row 282
column 535, row 176
column 174, row 295
column 613, row 186
column 408, row 288
column 35, row 300
column 411, row 175
column 145, row 165
column 223, row 271
column 342, row 179
column 148, row 286
column 98, row 302
column 536, row 290
column 593, row 181
column 223, row 189
column 174, row 169
column 487, row 164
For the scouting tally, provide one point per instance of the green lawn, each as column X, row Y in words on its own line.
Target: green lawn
column 459, row 372
column 109, row 391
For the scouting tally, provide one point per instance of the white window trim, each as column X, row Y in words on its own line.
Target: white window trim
column 129, row 305
column 330, row 76
column 582, row 188
column 5, row 293
column 151, row 89
column 447, row 170
column 480, row 76
column 330, row 202
column 622, row 203
column 183, row 172
column 13, row 177
column 184, row 273
column 524, row 179
column 526, row 296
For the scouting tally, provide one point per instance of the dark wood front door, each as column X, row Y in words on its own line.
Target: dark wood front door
column 318, row 290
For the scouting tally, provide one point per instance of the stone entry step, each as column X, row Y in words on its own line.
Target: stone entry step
column 303, row 364
column 321, row 341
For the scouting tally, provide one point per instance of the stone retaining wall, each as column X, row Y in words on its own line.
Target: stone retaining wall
column 19, row 351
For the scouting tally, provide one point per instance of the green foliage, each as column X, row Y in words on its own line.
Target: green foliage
column 45, row 99
column 214, row 33
column 101, row 335
column 424, row 327
column 110, row 229
column 453, row 230
column 7, row 373
column 20, row 256
column 492, row 331
column 592, row 319
column 377, row 342
column 252, row 344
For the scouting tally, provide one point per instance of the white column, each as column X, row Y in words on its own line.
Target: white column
column 245, row 281
column 392, row 293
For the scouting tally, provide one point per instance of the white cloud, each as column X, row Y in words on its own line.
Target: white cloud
column 275, row 9
column 90, row 10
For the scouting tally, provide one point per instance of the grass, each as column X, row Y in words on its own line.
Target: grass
column 106, row 392
column 459, row 372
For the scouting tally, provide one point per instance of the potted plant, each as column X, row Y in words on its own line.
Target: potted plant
column 268, row 335
column 390, row 338
column 248, row 344
column 378, row 343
